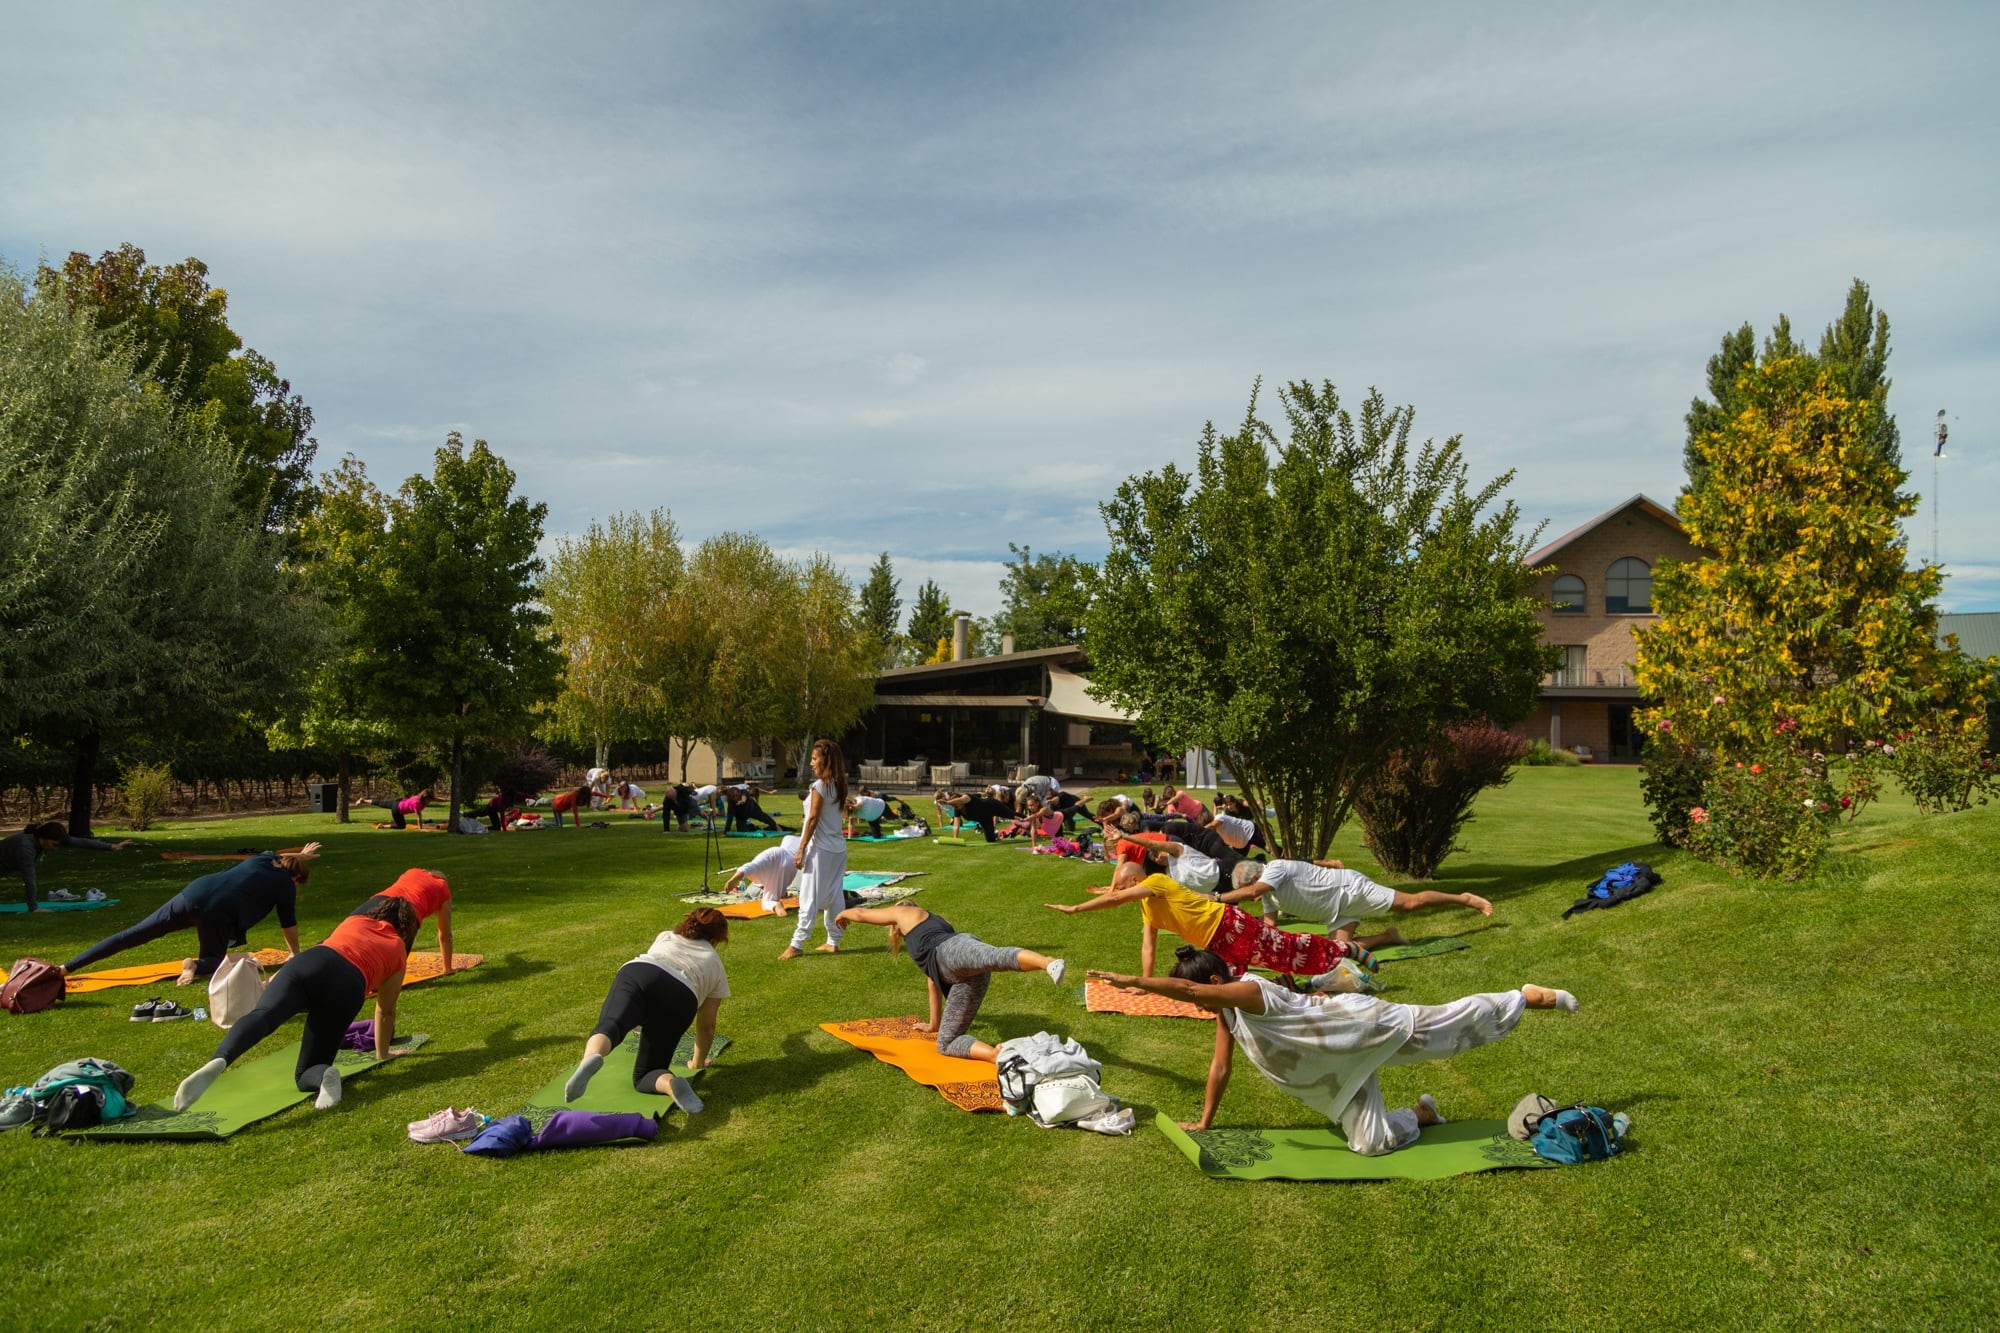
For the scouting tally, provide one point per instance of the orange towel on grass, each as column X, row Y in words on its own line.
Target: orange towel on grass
column 1101, row 997
column 970, row 1085
column 219, row 856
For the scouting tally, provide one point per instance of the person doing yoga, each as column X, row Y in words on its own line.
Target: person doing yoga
column 959, row 967
column 676, row 984
column 20, row 851
column 744, row 811
column 1240, row 939
column 220, row 909
column 981, row 810
column 328, row 983
column 572, row 803
column 403, row 810
column 1325, row 1049
column 822, row 855
column 1329, row 894
column 771, row 870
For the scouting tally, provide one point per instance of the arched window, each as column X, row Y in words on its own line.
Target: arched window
column 1628, row 587
column 1567, row 595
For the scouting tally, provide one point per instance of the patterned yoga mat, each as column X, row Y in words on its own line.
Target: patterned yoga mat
column 870, row 884
column 970, row 1085
column 1101, row 997
column 1455, row 1149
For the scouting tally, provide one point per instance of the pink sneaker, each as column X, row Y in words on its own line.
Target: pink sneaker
column 447, row 1125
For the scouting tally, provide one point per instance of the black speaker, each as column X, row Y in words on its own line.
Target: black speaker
column 323, row 798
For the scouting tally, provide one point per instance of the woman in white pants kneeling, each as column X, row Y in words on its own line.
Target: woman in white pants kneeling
column 822, row 856
column 1325, row 1049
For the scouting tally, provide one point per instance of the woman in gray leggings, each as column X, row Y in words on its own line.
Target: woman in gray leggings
column 959, row 967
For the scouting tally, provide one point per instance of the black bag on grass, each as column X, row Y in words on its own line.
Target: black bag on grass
column 74, row 1106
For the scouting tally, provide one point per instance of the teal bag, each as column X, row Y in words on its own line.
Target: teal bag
column 1577, row 1134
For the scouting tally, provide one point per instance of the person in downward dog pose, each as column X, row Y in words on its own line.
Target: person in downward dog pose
column 822, row 855
column 676, row 984
column 1325, row 1049
column 1327, row 893
column 1241, row 940
column 329, row 983
column 959, row 967
column 220, row 909
column 771, row 870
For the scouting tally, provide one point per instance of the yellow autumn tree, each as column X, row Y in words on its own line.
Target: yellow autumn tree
column 1806, row 627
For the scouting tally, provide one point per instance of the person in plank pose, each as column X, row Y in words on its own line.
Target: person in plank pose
column 1325, row 1049
column 328, row 983
column 676, row 984
column 822, row 854
column 19, row 852
column 401, row 812
column 1329, row 894
column 959, row 967
column 220, row 909
column 1240, row 939
column 771, row 870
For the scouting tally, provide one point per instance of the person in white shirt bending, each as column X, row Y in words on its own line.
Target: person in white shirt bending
column 676, row 984
column 771, row 870
column 1331, row 894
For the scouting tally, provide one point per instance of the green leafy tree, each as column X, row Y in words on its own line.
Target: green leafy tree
column 881, row 608
column 1854, row 352
column 179, row 325
column 823, row 671
column 1306, row 607
column 930, row 621
column 1806, row 622
column 338, row 709
column 611, row 596
column 738, row 592
column 1044, row 600
column 127, row 553
column 459, row 648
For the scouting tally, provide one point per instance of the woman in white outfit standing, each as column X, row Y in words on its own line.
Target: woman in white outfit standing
column 822, row 856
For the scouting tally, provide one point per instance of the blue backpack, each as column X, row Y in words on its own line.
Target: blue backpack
column 1577, row 1134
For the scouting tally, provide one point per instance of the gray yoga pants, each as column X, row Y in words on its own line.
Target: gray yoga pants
column 968, row 962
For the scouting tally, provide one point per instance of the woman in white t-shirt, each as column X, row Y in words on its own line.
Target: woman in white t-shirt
column 822, row 855
column 676, row 984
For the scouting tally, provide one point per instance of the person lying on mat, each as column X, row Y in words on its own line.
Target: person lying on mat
column 679, row 982
column 1325, row 1049
column 982, row 810
column 329, row 983
column 401, row 811
column 20, row 851
column 1331, row 895
column 958, row 966
column 771, row 870
column 1242, row 940
column 220, row 909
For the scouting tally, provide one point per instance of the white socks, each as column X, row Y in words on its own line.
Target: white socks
column 1055, row 969
column 329, row 1090
column 1429, row 1103
column 585, row 1071
column 1567, row 1002
column 195, row 1084
column 683, row 1094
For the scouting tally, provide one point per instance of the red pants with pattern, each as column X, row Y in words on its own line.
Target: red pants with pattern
column 1243, row 940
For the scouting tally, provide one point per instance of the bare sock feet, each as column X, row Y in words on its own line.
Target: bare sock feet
column 1546, row 997
column 329, row 1090
column 586, row 1070
column 195, row 1084
column 1427, row 1111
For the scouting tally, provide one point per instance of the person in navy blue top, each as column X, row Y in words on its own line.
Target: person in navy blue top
column 220, row 909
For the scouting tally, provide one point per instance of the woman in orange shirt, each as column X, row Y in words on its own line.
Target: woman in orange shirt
column 329, row 983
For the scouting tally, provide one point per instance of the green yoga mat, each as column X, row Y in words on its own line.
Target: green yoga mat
column 1390, row 953
column 757, row 833
column 612, row 1090
column 62, row 906
column 1456, row 1149
column 247, row 1092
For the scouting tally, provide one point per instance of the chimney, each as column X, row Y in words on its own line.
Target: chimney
column 1006, row 643
column 961, row 635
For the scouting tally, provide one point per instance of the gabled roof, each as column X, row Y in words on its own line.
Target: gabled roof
column 1978, row 632
column 1064, row 654
column 1649, row 505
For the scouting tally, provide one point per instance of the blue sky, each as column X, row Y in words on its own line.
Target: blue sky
column 934, row 278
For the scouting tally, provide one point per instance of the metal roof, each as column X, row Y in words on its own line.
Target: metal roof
column 1978, row 632
column 998, row 662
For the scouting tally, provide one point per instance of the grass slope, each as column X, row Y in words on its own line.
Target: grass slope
column 1810, row 1069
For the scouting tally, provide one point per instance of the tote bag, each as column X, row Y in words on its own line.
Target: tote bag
column 234, row 990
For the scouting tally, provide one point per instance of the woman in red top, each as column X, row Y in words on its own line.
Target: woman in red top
column 329, row 983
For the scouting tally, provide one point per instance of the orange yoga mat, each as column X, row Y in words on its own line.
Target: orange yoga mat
column 753, row 909
column 423, row 967
column 970, row 1085
column 1101, row 997
column 220, row 856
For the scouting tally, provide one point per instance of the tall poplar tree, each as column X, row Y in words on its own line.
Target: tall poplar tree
column 881, row 608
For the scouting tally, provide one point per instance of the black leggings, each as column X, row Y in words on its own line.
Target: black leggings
column 320, row 984
column 175, row 914
column 745, row 812
column 983, row 810
column 656, row 1002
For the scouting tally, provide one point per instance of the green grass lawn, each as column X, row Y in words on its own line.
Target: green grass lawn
column 1810, row 1070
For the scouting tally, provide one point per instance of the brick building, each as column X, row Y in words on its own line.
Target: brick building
column 1598, row 591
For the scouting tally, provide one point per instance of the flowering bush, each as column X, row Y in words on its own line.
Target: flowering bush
column 1861, row 777
column 1671, row 781
column 1768, row 818
column 1944, row 767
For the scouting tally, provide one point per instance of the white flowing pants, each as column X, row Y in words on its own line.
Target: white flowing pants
column 820, row 890
column 1441, row 1030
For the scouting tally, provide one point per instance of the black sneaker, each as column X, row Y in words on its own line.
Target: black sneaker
column 166, row 1011
column 142, row 1012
